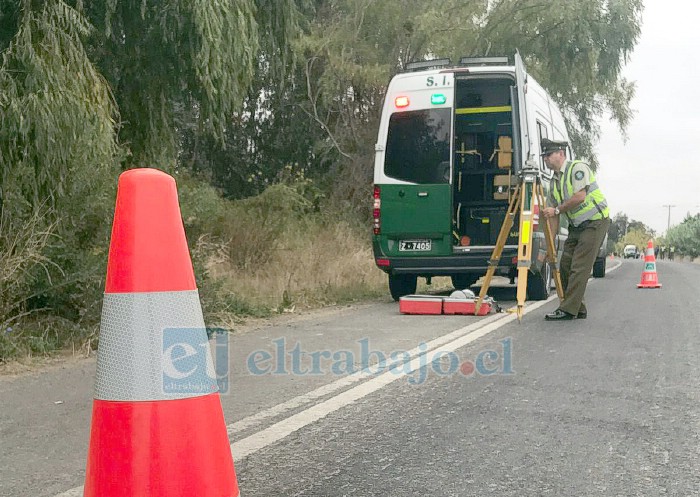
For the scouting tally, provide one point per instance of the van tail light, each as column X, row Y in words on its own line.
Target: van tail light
column 383, row 262
column 376, row 210
column 401, row 102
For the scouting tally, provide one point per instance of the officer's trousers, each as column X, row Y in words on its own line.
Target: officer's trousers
column 580, row 252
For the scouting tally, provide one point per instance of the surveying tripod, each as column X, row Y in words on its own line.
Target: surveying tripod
column 528, row 189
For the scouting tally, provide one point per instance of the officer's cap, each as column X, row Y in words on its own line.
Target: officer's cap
column 548, row 146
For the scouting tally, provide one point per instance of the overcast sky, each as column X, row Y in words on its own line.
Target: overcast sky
column 660, row 163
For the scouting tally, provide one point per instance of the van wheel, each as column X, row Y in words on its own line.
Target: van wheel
column 463, row 281
column 402, row 284
column 539, row 285
column 599, row 268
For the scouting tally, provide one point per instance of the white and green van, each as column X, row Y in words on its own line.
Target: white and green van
column 452, row 140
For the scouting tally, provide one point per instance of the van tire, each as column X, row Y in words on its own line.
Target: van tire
column 599, row 268
column 463, row 281
column 402, row 284
column 539, row 285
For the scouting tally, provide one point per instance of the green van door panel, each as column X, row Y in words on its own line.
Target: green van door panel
column 416, row 212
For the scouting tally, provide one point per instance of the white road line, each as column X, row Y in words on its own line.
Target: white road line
column 447, row 343
column 276, row 432
column 280, row 430
column 286, row 427
column 273, row 434
column 611, row 269
column 255, row 419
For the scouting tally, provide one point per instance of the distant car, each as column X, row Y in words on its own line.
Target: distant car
column 630, row 252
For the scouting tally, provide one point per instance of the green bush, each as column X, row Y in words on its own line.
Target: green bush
column 686, row 236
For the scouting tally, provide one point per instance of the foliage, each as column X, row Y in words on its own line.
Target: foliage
column 169, row 59
column 57, row 156
column 576, row 50
column 269, row 136
column 54, row 126
column 685, row 237
column 273, row 252
column 85, row 87
column 22, row 247
column 624, row 231
column 636, row 237
column 324, row 120
column 621, row 225
column 275, row 104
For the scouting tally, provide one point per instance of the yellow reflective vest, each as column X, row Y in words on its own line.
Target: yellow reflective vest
column 595, row 206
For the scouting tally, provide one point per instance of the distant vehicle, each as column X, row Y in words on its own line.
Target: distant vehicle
column 630, row 252
column 452, row 139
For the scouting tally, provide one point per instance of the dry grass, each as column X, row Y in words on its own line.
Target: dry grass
column 21, row 250
column 311, row 265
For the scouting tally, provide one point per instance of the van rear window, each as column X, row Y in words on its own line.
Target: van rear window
column 418, row 146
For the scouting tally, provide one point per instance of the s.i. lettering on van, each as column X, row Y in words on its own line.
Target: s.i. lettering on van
column 452, row 140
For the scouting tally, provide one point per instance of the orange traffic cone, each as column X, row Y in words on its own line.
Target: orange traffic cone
column 649, row 277
column 158, row 428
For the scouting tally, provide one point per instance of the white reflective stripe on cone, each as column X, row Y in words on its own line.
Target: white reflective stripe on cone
column 148, row 339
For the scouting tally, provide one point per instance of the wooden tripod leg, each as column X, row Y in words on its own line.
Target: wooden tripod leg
column 524, row 243
column 551, row 249
column 498, row 249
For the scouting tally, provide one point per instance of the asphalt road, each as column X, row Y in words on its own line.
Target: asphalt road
column 603, row 406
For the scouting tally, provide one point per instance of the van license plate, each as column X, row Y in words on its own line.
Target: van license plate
column 415, row 245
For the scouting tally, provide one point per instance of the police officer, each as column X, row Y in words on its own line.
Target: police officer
column 575, row 195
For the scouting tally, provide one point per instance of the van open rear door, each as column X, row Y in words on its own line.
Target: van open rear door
column 521, row 132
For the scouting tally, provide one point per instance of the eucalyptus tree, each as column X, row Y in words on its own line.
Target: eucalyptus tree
column 268, row 139
column 166, row 60
column 576, row 48
column 57, row 114
column 83, row 84
column 89, row 87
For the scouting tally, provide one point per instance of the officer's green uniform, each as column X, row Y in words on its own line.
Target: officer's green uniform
column 588, row 224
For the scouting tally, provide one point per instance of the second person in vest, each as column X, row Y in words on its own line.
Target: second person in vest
column 574, row 194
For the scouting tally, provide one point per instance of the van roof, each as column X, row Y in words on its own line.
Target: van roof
column 459, row 70
column 464, row 62
column 501, row 70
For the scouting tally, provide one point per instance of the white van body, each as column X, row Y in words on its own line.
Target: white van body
column 452, row 140
column 630, row 252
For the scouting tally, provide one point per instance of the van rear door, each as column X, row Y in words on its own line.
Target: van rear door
column 413, row 169
column 521, row 132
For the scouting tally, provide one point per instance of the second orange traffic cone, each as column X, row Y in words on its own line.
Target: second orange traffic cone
column 158, row 428
column 650, row 278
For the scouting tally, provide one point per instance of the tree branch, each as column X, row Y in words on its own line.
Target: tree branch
column 313, row 99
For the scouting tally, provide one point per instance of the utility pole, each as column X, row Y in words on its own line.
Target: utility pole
column 668, row 225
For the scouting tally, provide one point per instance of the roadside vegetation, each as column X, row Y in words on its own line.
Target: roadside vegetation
column 265, row 112
column 684, row 237
column 278, row 252
column 624, row 231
